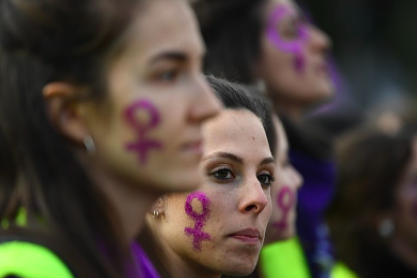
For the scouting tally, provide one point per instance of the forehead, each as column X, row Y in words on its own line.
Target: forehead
column 164, row 25
column 273, row 4
column 236, row 131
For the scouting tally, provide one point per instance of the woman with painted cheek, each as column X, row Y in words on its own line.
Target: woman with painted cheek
column 283, row 191
column 293, row 60
column 220, row 228
column 373, row 216
column 92, row 111
column 280, row 49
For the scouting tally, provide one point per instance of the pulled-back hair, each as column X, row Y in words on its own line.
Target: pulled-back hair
column 235, row 96
column 40, row 42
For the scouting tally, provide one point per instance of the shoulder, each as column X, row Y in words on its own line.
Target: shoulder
column 26, row 259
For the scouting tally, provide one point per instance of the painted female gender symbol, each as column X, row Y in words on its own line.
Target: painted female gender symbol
column 285, row 202
column 294, row 46
column 143, row 144
column 196, row 232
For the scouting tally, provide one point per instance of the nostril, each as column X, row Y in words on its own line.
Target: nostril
column 251, row 207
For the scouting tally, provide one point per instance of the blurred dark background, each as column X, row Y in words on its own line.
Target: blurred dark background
column 375, row 49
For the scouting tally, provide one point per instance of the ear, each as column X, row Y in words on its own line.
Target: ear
column 64, row 111
column 158, row 206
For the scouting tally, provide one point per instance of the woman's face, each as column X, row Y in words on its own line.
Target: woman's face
column 288, row 181
column 293, row 57
column 220, row 228
column 405, row 212
column 148, row 131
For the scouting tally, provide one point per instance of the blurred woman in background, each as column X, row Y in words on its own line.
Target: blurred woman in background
column 101, row 105
column 373, row 217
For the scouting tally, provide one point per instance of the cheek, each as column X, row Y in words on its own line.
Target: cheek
column 141, row 117
column 197, row 233
column 285, row 200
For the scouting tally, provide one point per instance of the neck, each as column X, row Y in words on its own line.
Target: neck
column 129, row 203
column 292, row 111
column 405, row 252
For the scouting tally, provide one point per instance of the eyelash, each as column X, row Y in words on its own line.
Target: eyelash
column 168, row 75
column 215, row 174
column 270, row 177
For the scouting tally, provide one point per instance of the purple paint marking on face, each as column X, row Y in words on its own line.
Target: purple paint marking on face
column 294, row 46
column 285, row 206
column 196, row 232
column 143, row 144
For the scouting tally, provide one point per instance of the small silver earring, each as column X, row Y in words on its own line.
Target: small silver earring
column 89, row 144
column 155, row 214
column 386, row 228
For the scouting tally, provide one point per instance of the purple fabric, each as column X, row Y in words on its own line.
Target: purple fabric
column 144, row 264
column 313, row 198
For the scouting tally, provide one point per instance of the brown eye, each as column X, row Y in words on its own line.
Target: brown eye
column 266, row 179
column 223, row 174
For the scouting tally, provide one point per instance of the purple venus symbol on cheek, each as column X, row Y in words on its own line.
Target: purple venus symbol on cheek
column 197, row 232
column 285, row 201
column 295, row 46
column 143, row 145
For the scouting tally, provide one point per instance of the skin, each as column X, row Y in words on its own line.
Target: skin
column 290, row 90
column 404, row 215
column 160, row 63
column 237, row 167
column 286, row 177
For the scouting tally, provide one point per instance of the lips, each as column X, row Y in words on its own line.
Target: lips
column 248, row 235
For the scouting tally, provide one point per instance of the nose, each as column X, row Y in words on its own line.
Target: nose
column 205, row 105
column 253, row 199
column 319, row 39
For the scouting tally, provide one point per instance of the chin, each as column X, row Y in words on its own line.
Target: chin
column 241, row 267
column 242, row 271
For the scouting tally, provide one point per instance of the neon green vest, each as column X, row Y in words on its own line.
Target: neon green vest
column 342, row 271
column 284, row 260
column 29, row 260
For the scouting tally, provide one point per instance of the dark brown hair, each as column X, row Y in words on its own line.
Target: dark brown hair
column 56, row 40
column 370, row 167
column 232, row 31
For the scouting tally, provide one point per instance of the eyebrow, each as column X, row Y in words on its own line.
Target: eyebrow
column 267, row 160
column 172, row 55
column 226, row 155
column 239, row 160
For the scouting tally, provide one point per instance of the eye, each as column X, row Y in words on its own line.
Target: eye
column 292, row 29
column 223, row 174
column 266, row 179
column 168, row 75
